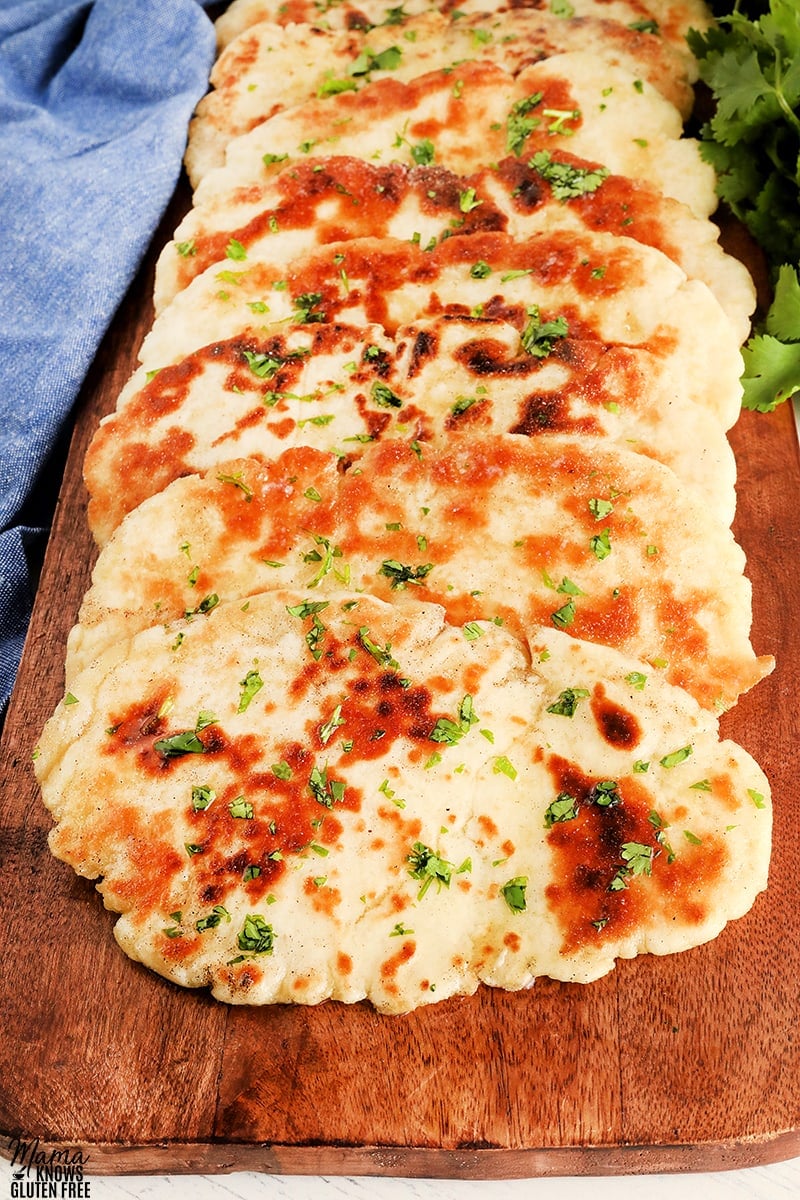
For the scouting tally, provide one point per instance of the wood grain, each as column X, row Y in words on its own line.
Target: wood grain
column 685, row 1063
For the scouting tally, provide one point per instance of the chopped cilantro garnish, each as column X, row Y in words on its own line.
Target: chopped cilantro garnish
column 384, row 397
column 600, row 509
column 450, row 732
column 504, row 766
column 202, row 797
column 563, row 808
column 519, row 124
column 566, row 181
column 513, row 893
column 214, row 918
column 538, row 338
column 676, row 757
column 399, row 574
column 423, row 153
column 235, row 250
column 426, row 865
column 256, row 936
column 606, row 794
column 567, row 702
column 563, row 617
column 250, row 685
column 241, row 808
column 324, row 790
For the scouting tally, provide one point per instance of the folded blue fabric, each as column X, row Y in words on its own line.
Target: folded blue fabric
column 95, row 100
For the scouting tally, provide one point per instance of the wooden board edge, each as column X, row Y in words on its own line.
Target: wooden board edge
column 420, row 1162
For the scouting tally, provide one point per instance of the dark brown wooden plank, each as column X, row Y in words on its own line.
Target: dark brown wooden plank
column 641, row 1071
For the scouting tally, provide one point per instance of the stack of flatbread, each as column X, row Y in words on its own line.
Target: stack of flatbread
column 417, row 600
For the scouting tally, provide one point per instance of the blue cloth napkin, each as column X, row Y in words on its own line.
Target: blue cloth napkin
column 95, row 100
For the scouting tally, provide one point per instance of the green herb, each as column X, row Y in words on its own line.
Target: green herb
column 186, row 249
column 563, row 617
column 251, row 872
column 250, row 685
column 333, row 87
column 281, row 770
column 424, row 152
column 334, row 722
column 208, row 603
column 519, row 124
column 636, row 680
column 426, row 865
column 752, row 68
column 503, row 766
column 600, row 509
column 202, row 797
column 567, row 702
column 757, row 798
column 606, row 794
column 235, row 250
column 387, row 60
column 381, row 654
column 187, row 742
column 563, row 808
column 566, row 181
column 325, row 791
column 467, row 200
column 241, row 809
column 677, row 756
column 384, row 397
column 600, row 545
column 538, row 338
column 399, row 575
column 237, row 480
column 513, row 893
column 214, row 918
column 451, row 732
column 307, row 310
column 256, row 936
column 326, row 559
column 480, row 269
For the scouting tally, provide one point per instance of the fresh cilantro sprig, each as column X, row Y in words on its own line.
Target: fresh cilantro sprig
column 751, row 64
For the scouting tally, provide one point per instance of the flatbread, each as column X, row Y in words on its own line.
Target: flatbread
column 559, row 532
column 338, row 389
column 373, row 822
column 602, row 286
column 477, row 114
column 270, row 68
column 673, row 17
column 340, row 198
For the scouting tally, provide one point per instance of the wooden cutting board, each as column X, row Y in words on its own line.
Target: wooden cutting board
column 685, row 1063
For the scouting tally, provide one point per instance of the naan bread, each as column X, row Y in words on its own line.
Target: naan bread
column 372, row 820
column 601, row 286
column 327, row 200
column 338, row 388
column 673, row 17
column 269, row 68
column 408, row 811
column 477, row 114
column 570, row 533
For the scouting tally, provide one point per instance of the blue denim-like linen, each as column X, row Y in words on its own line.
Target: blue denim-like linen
column 95, row 100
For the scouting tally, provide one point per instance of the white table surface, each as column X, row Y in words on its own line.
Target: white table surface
column 780, row 1181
